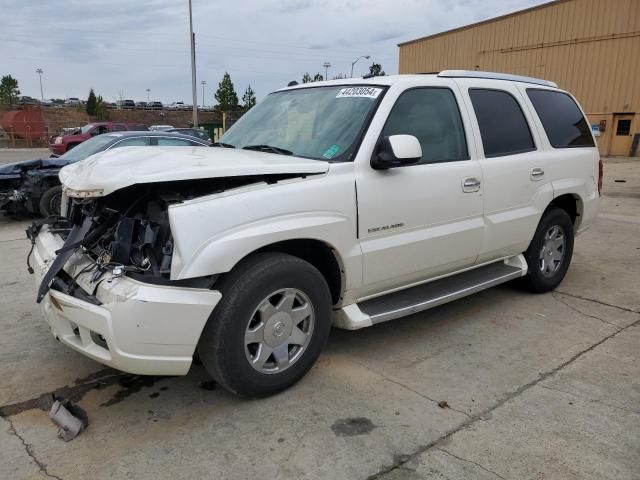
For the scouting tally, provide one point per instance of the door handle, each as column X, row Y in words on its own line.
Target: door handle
column 470, row 185
column 536, row 174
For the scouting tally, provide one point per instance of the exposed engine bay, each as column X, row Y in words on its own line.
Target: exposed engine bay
column 127, row 232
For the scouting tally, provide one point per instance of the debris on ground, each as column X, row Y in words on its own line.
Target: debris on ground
column 443, row 404
column 70, row 419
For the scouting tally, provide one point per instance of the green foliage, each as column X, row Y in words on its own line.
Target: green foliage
column 9, row 90
column 101, row 111
column 376, row 70
column 306, row 78
column 249, row 98
column 91, row 103
column 226, row 95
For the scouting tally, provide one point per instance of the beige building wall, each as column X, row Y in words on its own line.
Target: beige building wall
column 588, row 47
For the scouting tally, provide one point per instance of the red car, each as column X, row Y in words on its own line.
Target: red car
column 63, row 143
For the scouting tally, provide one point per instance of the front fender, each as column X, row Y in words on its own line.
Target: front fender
column 221, row 253
column 211, row 235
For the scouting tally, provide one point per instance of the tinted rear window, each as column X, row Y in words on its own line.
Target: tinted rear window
column 561, row 118
column 503, row 126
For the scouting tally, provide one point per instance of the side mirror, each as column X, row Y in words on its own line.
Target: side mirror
column 396, row 151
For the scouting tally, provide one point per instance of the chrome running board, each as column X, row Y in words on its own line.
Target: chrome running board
column 428, row 295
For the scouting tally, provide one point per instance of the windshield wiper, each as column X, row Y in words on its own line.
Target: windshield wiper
column 268, row 148
column 223, row 145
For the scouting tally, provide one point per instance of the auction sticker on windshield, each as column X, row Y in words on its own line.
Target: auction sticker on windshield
column 366, row 92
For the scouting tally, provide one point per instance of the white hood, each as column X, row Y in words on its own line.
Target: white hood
column 114, row 169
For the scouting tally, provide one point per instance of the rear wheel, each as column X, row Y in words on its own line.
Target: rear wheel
column 549, row 254
column 50, row 201
column 270, row 326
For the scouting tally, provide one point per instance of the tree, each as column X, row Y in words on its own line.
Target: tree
column 91, row 103
column 376, row 70
column 100, row 109
column 226, row 95
column 317, row 77
column 9, row 90
column 249, row 98
column 306, row 78
column 340, row 76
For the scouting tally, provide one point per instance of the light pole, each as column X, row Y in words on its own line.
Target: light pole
column 356, row 61
column 203, row 82
column 39, row 71
column 148, row 91
column 326, row 66
column 194, row 93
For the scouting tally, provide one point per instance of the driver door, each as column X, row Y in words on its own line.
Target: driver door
column 426, row 219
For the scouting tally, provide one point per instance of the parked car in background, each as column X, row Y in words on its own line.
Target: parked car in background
column 154, row 128
column 63, row 143
column 349, row 202
column 33, row 185
column 193, row 132
column 73, row 101
column 26, row 100
column 155, row 105
column 126, row 104
column 176, row 106
column 141, row 105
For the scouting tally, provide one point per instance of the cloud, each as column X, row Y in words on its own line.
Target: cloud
column 124, row 46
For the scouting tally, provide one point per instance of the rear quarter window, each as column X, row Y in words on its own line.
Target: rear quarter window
column 561, row 118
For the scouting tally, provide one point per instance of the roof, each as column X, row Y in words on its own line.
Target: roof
column 385, row 80
column 484, row 22
column 388, row 80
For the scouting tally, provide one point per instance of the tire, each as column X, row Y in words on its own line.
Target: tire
column 549, row 254
column 50, row 201
column 255, row 300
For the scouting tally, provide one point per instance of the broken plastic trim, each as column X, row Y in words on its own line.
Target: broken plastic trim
column 77, row 234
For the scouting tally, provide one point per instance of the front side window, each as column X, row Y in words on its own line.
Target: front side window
column 432, row 116
column 133, row 142
column 322, row 123
column 118, row 128
column 561, row 118
column 503, row 126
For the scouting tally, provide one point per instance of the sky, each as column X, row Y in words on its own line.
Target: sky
column 122, row 47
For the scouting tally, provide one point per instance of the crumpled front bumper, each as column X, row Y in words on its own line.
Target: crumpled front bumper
column 131, row 326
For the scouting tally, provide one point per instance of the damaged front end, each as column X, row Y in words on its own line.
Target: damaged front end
column 124, row 233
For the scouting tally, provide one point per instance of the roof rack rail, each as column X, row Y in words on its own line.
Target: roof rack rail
column 495, row 76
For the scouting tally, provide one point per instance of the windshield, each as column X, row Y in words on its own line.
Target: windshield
column 322, row 123
column 88, row 148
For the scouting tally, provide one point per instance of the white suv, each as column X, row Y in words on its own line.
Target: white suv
column 347, row 202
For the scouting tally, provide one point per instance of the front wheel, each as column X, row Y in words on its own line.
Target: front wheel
column 269, row 327
column 50, row 201
column 550, row 251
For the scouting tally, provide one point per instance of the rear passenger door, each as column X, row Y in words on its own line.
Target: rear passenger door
column 515, row 166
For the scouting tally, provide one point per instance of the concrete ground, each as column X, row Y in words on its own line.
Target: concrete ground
column 501, row 385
